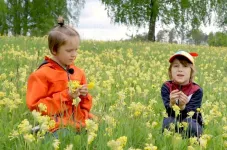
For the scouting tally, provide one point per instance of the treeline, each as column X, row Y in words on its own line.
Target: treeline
column 185, row 15
column 34, row 17
column 195, row 36
column 217, row 39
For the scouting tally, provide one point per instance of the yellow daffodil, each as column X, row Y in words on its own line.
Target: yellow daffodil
column 69, row 147
column 73, row 85
column 42, row 107
column 56, row 144
column 150, row 147
column 176, row 109
column 29, row 138
column 91, row 85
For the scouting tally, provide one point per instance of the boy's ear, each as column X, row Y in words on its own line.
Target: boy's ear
column 54, row 52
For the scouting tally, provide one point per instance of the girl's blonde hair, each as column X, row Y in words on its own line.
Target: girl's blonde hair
column 59, row 34
column 184, row 61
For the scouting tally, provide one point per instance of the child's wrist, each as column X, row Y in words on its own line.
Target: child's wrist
column 170, row 105
column 70, row 95
column 182, row 107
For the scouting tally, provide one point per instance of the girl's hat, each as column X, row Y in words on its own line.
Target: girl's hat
column 187, row 55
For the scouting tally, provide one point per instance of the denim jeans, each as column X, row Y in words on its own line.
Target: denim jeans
column 63, row 132
column 193, row 129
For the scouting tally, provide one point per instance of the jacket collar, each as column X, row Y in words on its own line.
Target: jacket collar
column 181, row 87
column 54, row 64
column 187, row 89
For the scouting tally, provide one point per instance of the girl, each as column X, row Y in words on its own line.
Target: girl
column 49, row 84
column 181, row 91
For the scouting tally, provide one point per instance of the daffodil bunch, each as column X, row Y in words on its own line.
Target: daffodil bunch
column 117, row 144
column 203, row 140
column 111, row 124
column 56, row 144
column 42, row 107
column 92, row 128
column 136, row 109
column 12, row 101
column 150, row 147
column 45, row 122
column 69, row 147
column 74, row 85
column 190, row 114
column 193, row 141
column 25, row 128
column 176, row 109
column 131, row 148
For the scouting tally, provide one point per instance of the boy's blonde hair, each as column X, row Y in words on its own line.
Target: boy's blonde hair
column 59, row 34
column 184, row 61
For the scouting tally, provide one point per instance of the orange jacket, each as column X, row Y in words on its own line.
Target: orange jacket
column 49, row 85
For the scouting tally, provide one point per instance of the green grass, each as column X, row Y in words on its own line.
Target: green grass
column 124, row 73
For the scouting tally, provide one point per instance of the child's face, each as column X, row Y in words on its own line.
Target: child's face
column 67, row 53
column 180, row 73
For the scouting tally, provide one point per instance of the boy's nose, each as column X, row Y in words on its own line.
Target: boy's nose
column 74, row 54
column 180, row 68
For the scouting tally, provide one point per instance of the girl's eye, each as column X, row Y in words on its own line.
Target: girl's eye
column 175, row 66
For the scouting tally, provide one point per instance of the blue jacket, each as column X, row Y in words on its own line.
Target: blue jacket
column 194, row 93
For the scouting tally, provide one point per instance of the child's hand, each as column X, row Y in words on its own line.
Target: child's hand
column 174, row 96
column 83, row 90
column 74, row 94
column 183, row 100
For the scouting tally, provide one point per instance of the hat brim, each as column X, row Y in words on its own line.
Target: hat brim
column 174, row 56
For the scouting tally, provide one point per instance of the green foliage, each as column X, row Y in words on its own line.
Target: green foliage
column 138, row 37
column 217, row 39
column 172, row 36
column 197, row 36
column 36, row 17
column 3, row 12
column 184, row 14
column 221, row 17
column 161, row 35
column 123, row 72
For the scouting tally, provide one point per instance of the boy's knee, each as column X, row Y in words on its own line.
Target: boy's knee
column 194, row 129
column 166, row 122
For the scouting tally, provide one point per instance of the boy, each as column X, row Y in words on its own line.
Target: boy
column 181, row 91
column 48, row 85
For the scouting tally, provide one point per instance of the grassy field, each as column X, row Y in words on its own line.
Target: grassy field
column 128, row 77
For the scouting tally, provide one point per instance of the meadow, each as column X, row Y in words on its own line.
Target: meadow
column 126, row 97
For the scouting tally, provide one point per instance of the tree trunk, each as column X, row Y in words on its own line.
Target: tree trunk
column 16, row 17
column 152, row 21
column 25, row 22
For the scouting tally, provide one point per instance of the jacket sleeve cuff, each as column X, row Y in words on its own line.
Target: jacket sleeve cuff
column 65, row 96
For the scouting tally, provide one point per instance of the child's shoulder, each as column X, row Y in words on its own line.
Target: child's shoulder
column 167, row 83
column 42, row 71
column 196, row 84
